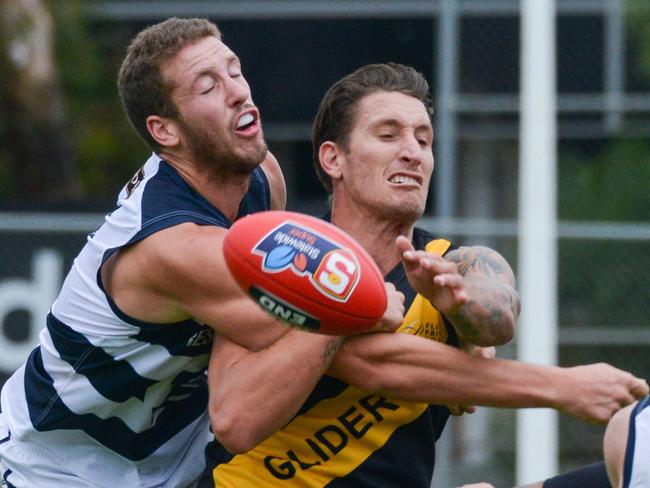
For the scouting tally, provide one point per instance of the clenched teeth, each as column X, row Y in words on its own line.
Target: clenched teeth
column 403, row 179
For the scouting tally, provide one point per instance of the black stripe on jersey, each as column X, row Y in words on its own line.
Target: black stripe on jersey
column 327, row 387
column 107, row 375
column 631, row 440
column 5, row 481
column 258, row 196
column 166, row 193
column 406, row 460
column 186, row 403
column 186, row 338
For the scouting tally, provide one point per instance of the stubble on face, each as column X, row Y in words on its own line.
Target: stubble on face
column 219, row 159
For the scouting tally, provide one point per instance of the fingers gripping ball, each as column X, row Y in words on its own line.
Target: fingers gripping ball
column 306, row 272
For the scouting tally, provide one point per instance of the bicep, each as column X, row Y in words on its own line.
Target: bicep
column 195, row 276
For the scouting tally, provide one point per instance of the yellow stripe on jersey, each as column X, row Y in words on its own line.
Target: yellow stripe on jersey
column 327, row 442
column 422, row 319
column 338, row 434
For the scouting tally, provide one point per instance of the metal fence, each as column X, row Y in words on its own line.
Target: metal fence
column 603, row 316
column 469, row 50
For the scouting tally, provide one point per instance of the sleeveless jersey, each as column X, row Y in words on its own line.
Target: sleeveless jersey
column 636, row 473
column 345, row 437
column 115, row 400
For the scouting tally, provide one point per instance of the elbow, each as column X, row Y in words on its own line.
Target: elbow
column 497, row 334
column 505, row 330
column 503, row 319
column 229, row 430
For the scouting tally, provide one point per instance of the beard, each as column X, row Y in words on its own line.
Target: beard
column 217, row 158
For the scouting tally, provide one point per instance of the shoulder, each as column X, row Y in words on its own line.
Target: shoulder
column 274, row 175
column 181, row 246
column 422, row 238
column 615, row 444
column 166, row 265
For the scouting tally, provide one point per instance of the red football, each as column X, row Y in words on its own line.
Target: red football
column 306, row 272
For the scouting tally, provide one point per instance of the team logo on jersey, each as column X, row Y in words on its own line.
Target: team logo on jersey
column 332, row 269
column 134, row 182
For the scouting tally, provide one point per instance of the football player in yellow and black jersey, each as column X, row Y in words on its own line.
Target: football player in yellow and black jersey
column 373, row 420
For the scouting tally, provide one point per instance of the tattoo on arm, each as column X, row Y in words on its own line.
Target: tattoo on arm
column 493, row 297
column 331, row 348
column 482, row 261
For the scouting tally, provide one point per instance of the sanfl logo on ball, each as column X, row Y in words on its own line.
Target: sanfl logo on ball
column 330, row 268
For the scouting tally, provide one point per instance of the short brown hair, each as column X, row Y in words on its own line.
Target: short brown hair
column 336, row 113
column 141, row 86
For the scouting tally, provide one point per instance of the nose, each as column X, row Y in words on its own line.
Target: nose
column 237, row 90
column 411, row 151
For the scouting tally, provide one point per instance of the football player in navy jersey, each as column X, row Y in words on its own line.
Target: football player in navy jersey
column 115, row 394
column 626, row 447
column 374, row 417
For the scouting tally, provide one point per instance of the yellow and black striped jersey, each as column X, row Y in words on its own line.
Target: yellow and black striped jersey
column 343, row 436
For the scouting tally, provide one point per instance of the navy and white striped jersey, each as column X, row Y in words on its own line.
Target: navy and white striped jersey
column 115, row 400
column 637, row 456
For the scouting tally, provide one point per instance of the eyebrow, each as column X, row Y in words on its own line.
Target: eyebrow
column 394, row 123
column 230, row 60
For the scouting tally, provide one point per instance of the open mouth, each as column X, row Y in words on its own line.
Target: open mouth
column 247, row 122
column 404, row 180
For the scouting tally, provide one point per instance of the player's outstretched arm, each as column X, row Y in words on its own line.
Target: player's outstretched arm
column 472, row 286
column 418, row 369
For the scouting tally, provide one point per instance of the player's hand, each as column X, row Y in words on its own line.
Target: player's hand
column 595, row 392
column 394, row 314
column 479, row 352
column 433, row 277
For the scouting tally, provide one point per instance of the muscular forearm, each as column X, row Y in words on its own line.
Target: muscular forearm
column 257, row 393
column 417, row 369
column 472, row 286
column 422, row 370
column 489, row 315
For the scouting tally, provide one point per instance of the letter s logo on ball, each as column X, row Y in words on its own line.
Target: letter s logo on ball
column 331, row 268
column 337, row 274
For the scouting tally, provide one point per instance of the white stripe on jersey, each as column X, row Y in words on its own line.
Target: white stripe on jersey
column 640, row 477
column 117, row 401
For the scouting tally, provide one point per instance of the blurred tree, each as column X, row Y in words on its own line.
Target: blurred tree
column 39, row 160
column 638, row 23
column 89, row 55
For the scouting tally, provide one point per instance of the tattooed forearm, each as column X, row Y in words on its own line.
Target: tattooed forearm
column 482, row 261
column 489, row 316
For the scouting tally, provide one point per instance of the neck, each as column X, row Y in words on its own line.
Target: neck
column 376, row 235
column 225, row 192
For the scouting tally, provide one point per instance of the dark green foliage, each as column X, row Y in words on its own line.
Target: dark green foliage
column 611, row 185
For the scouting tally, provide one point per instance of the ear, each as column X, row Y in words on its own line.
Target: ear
column 163, row 130
column 331, row 159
